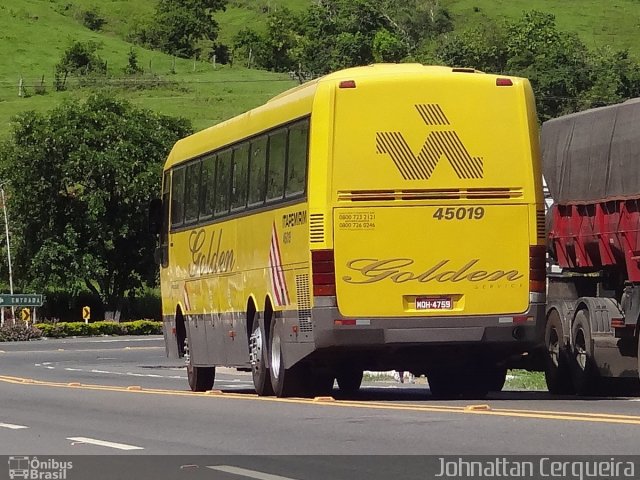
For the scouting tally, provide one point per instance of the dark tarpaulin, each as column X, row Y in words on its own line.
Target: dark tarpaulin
column 593, row 155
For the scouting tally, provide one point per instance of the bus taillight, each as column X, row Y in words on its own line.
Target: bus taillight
column 324, row 273
column 537, row 268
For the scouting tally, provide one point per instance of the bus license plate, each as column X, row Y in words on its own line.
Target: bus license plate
column 434, row 303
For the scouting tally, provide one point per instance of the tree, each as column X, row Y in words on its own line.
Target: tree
column 481, row 47
column 80, row 180
column 79, row 59
column 179, row 25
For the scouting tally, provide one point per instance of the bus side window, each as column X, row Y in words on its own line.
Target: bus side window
column 223, row 184
column 207, row 187
column 257, row 179
column 277, row 153
column 297, row 158
column 177, row 197
column 240, row 176
column 192, row 187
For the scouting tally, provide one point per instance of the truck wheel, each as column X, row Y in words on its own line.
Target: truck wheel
column 496, row 376
column 583, row 371
column 258, row 356
column 349, row 380
column 557, row 371
column 200, row 378
column 287, row 382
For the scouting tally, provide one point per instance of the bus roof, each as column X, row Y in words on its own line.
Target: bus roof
column 298, row 102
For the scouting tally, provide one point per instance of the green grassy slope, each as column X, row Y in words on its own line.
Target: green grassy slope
column 597, row 22
column 35, row 33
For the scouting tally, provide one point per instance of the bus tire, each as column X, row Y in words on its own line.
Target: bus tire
column 259, row 361
column 349, row 380
column 200, row 378
column 583, row 368
column 557, row 371
column 459, row 383
column 289, row 382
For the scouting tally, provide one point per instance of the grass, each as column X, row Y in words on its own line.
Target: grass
column 597, row 23
column 35, row 33
column 524, row 380
column 516, row 379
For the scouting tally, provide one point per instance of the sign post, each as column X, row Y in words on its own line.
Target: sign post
column 86, row 314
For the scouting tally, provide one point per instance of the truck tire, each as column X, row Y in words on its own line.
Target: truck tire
column 583, row 372
column 286, row 382
column 557, row 371
column 258, row 355
column 496, row 376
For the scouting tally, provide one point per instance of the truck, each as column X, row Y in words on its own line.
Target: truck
column 591, row 164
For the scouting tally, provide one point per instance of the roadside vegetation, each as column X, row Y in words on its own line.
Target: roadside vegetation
column 93, row 94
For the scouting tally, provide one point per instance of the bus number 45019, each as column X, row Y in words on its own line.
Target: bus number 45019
column 461, row 213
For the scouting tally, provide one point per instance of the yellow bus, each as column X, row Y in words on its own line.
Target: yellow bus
column 378, row 218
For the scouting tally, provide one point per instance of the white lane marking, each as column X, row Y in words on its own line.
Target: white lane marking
column 156, row 339
column 243, row 472
column 12, row 426
column 103, row 443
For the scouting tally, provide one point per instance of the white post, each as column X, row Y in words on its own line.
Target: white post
column 6, row 229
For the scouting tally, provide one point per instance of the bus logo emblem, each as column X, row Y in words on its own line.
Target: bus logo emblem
column 439, row 143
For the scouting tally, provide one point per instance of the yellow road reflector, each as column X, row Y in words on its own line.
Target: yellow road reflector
column 476, row 408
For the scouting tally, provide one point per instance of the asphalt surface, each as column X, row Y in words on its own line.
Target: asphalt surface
column 121, row 396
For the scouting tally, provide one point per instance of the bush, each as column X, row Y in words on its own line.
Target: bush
column 18, row 333
column 80, row 329
column 93, row 20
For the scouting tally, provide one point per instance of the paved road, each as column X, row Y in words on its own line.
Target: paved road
column 106, row 396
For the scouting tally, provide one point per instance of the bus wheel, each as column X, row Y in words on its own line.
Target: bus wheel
column 583, row 372
column 258, row 356
column 557, row 372
column 349, row 380
column 200, row 378
column 459, row 383
column 287, row 382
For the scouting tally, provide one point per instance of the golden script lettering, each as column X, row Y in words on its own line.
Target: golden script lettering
column 396, row 269
column 205, row 261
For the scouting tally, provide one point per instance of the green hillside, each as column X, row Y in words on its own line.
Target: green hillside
column 35, row 33
column 597, row 22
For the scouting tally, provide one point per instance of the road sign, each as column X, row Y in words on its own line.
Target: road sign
column 86, row 313
column 25, row 314
column 21, row 300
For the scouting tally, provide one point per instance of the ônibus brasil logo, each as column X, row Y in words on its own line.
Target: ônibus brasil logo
column 439, row 143
column 33, row 468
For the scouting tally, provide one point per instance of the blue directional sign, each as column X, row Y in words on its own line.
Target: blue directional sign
column 21, row 300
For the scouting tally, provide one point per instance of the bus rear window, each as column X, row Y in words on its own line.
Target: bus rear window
column 223, row 190
column 297, row 158
column 277, row 152
column 177, row 197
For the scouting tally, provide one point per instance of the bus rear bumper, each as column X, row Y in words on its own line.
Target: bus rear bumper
column 520, row 331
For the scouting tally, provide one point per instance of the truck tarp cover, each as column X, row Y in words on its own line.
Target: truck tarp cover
column 594, row 155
